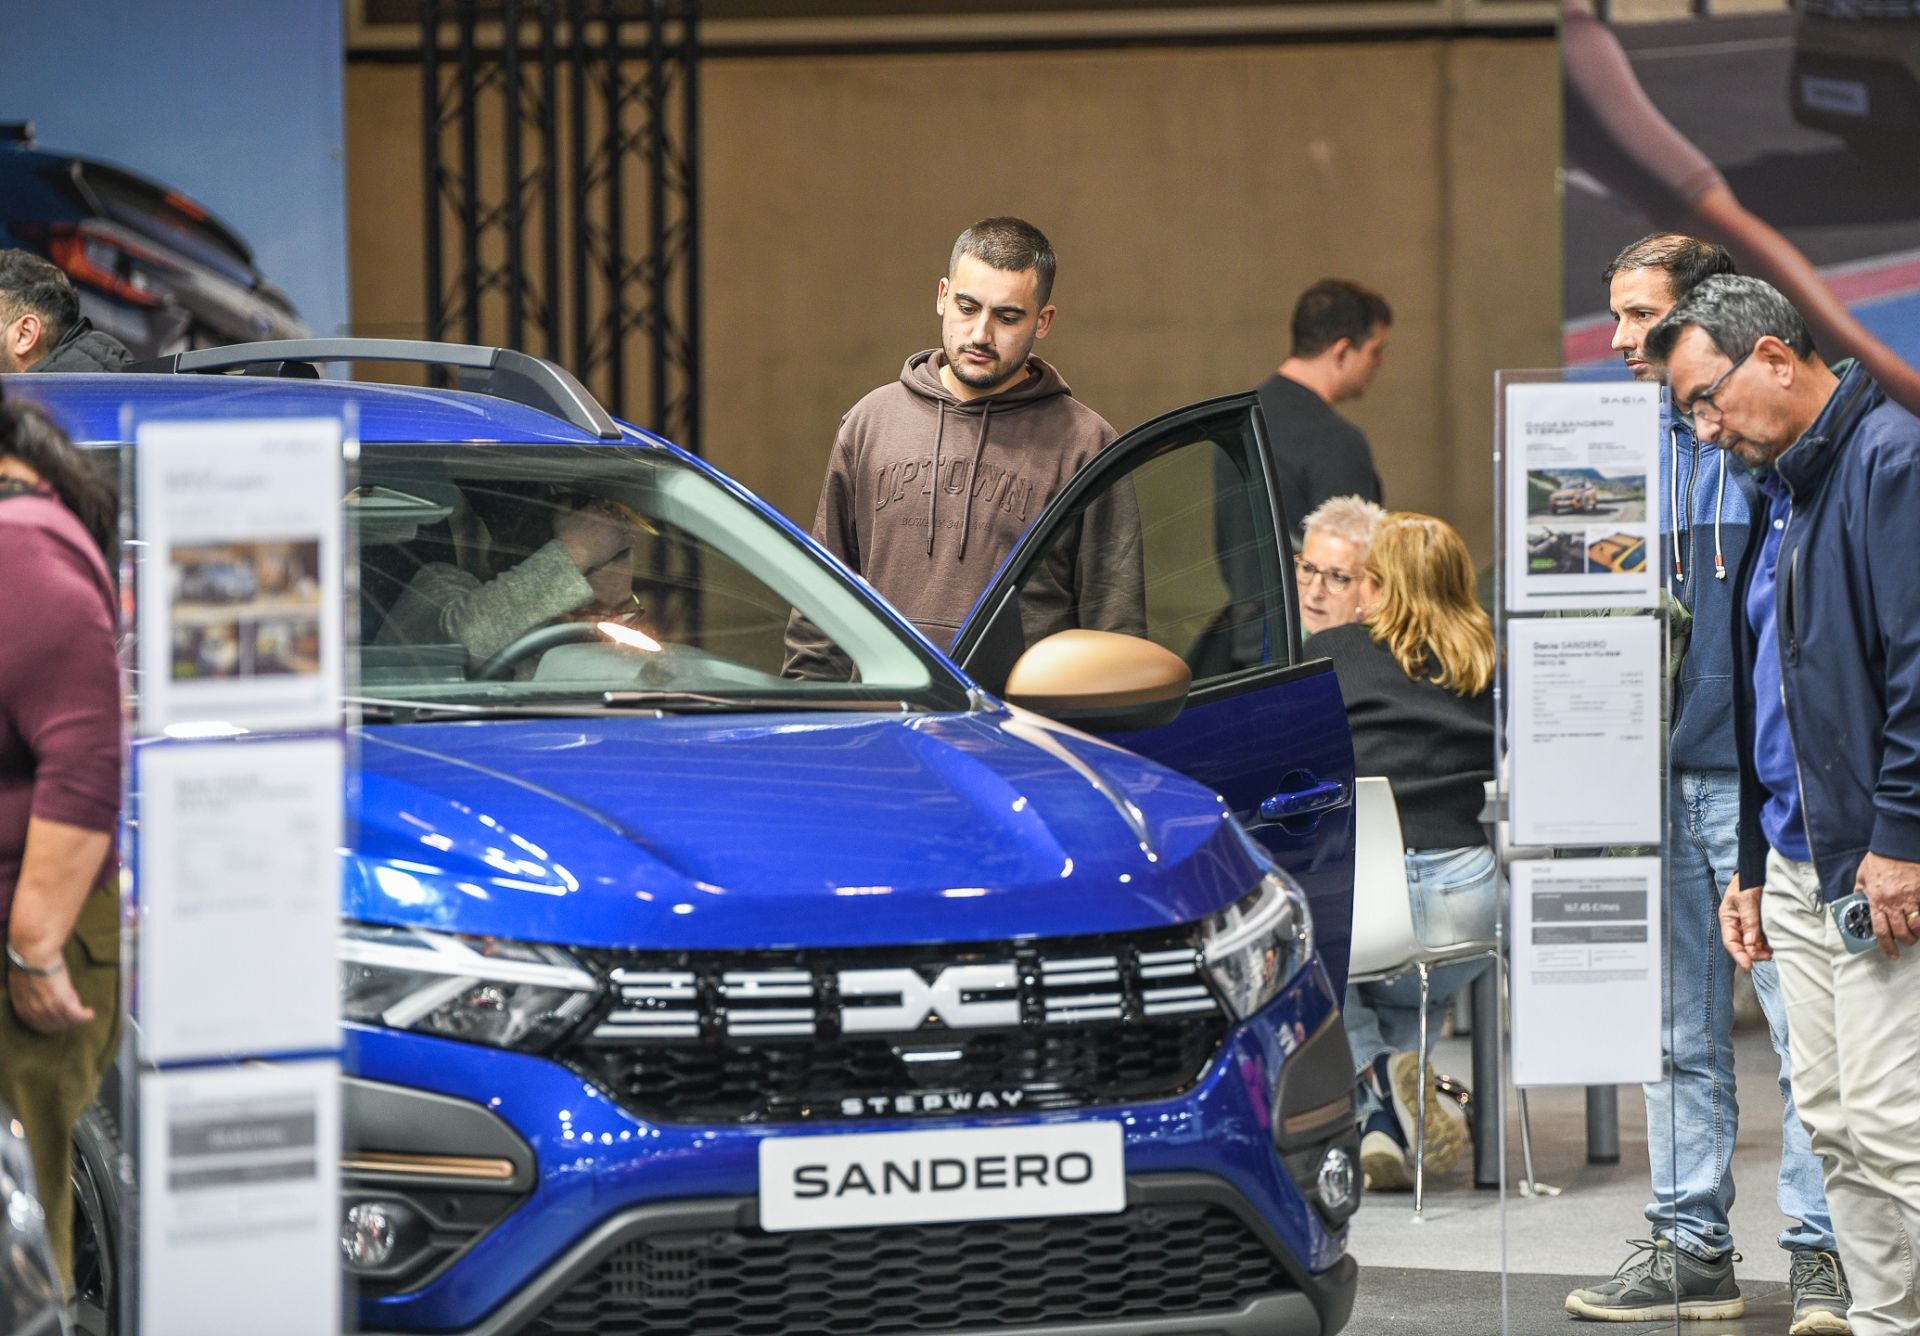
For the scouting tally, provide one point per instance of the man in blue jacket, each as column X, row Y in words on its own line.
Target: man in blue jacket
column 1705, row 511
column 1827, row 718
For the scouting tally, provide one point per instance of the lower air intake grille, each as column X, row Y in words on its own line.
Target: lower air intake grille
column 1149, row 1261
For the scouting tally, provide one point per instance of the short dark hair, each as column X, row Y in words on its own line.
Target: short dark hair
column 1334, row 309
column 82, row 482
column 1011, row 244
column 1686, row 261
column 29, row 283
column 1736, row 312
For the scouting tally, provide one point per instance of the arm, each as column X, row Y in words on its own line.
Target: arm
column 1889, row 876
column 62, row 865
column 443, row 603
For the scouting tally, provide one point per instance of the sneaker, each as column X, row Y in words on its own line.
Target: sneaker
column 1821, row 1295
column 1411, row 1081
column 1646, row 1288
column 1383, row 1154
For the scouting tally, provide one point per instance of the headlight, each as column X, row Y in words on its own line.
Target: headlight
column 485, row 990
column 1253, row 947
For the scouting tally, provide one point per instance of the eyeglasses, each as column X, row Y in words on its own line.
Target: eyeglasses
column 1704, row 400
column 1306, row 573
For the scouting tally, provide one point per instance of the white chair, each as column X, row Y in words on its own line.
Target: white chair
column 1386, row 946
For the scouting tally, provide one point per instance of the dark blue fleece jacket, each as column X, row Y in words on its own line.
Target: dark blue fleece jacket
column 1714, row 501
column 1847, row 586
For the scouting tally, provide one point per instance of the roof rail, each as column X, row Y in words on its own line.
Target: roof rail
column 500, row 372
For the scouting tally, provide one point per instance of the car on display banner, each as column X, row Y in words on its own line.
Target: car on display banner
column 152, row 266
column 1620, row 553
column 1579, row 496
column 983, row 991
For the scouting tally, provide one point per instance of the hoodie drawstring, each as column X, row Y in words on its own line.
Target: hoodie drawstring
column 933, row 493
column 1679, row 521
column 973, row 478
column 1719, row 496
column 1673, row 499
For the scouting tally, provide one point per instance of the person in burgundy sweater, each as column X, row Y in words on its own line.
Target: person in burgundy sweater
column 60, row 758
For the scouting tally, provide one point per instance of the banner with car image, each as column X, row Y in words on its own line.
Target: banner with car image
column 242, row 559
column 1579, row 523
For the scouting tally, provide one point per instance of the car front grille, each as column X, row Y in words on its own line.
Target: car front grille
column 806, row 1036
column 1163, row 1260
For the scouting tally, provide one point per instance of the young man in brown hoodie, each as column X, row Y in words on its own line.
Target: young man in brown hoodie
column 934, row 476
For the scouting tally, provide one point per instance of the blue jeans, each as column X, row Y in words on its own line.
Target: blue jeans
column 1455, row 899
column 1693, row 1115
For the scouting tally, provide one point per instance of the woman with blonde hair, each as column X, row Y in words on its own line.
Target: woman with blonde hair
column 1416, row 673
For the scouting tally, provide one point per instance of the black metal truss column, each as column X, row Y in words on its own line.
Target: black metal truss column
column 561, row 143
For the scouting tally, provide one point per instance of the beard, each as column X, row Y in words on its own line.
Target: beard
column 996, row 373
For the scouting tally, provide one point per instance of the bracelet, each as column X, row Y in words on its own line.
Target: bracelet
column 13, row 959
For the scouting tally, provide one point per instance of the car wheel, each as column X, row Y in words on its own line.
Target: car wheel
column 101, row 1194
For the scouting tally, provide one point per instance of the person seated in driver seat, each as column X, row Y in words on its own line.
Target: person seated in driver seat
column 586, row 562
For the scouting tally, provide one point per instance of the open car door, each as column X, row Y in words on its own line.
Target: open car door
column 1174, row 534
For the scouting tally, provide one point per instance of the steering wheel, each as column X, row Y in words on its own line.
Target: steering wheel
column 537, row 641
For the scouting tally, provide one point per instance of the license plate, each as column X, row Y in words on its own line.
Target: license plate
column 1844, row 97
column 913, row 1178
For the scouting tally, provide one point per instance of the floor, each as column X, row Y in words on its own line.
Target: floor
column 1441, row 1274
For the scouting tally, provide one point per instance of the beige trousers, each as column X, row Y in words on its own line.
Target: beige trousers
column 1853, row 1024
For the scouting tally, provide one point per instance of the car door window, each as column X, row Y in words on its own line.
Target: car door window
column 1171, row 536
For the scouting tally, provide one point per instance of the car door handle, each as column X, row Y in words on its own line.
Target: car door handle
column 1314, row 798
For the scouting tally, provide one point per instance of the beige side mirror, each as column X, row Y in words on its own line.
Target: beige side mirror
column 1100, row 681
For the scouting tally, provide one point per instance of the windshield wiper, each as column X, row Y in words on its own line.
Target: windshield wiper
column 596, row 707
column 423, row 712
column 694, row 701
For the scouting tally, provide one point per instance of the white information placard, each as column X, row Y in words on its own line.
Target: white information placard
column 1582, row 465
column 239, row 1201
column 1583, row 724
column 1586, row 971
column 239, row 897
column 239, row 578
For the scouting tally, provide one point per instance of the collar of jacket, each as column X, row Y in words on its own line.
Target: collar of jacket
column 1804, row 463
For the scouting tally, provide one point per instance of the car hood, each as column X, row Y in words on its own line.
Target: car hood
column 780, row 830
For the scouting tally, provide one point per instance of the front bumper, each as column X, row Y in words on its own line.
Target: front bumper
column 597, row 1266
column 605, row 1180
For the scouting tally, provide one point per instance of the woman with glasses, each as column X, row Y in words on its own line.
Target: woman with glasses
column 1416, row 673
column 1328, row 571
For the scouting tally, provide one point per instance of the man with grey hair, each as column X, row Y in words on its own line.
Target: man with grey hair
column 934, row 475
column 1329, row 570
column 1693, row 1114
column 1827, row 720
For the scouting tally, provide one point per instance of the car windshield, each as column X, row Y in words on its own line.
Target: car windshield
column 601, row 577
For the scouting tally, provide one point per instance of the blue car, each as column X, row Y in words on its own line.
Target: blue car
column 991, row 991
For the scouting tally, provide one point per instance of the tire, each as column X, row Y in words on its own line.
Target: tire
column 102, row 1201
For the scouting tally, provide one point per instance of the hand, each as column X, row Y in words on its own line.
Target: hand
column 612, row 584
column 1740, row 930
column 46, row 1004
column 1893, row 889
column 592, row 536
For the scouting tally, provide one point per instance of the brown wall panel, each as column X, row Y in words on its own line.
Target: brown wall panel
column 1191, row 193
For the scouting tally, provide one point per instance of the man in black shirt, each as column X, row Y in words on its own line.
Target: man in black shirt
column 1339, row 340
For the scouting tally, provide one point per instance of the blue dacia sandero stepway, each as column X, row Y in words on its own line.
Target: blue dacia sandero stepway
column 689, row 994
